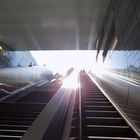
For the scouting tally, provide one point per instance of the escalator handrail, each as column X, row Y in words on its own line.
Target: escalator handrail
column 47, row 119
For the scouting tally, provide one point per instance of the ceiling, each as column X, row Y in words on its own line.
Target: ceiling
column 51, row 24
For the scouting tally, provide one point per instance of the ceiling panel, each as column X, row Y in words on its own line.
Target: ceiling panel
column 51, row 24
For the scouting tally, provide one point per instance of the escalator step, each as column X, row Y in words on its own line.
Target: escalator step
column 108, row 131
column 101, row 108
column 99, row 118
column 104, row 121
column 14, row 127
column 107, row 103
column 12, row 132
column 91, row 113
column 6, row 137
column 108, row 138
column 96, row 99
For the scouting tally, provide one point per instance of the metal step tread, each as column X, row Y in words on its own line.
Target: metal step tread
column 14, row 127
column 7, row 136
column 109, row 138
column 102, row 111
column 108, row 126
column 9, row 130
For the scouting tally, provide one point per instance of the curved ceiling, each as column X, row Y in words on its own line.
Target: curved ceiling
column 51, row 24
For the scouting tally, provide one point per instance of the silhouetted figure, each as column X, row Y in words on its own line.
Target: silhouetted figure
column 30, row 65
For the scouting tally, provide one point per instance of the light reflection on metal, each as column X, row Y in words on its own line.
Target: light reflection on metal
column 114, row 43
column 1, row 48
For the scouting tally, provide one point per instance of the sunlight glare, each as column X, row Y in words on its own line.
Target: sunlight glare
column 99, row 70
column 99, row 67
column 71, row 82
column 61, row 61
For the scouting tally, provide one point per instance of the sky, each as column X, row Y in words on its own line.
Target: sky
column 61, row 61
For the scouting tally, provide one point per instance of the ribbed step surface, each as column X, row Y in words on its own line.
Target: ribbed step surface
column 99, row 118
column 15, row 119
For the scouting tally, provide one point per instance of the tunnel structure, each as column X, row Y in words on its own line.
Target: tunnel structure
column 90, row 104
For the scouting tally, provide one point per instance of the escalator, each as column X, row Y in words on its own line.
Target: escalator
column 75, row 114
column 99, row 119
column 16, row 117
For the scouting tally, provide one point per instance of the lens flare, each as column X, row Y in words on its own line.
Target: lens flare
column 71, row 82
